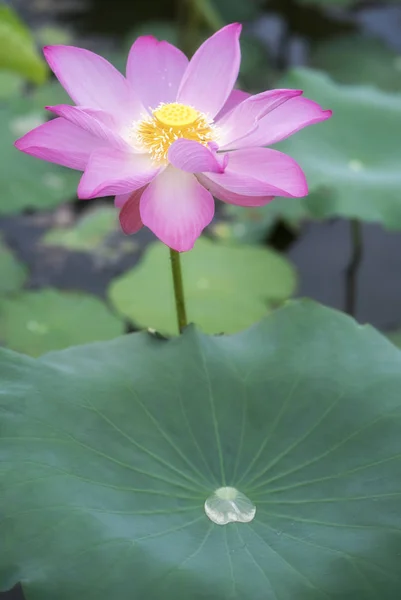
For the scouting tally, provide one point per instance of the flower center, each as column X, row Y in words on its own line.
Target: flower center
column 168, row 123
column 176, row 115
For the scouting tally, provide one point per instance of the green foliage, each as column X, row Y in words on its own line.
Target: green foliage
column 252, row 225
column 216, row 13
column 12, row 273
column 324, row 3
column 87, row 234
column 352, row 160
column 18, row 52
column 227, row 288
column 256, row 71
column 26, row 181
column 339, row 3
column 37, row 322
column 98, row 233
column 357, row 59
column 395, row 338
column 10, row 85
column 110, row 450
column 49, row 94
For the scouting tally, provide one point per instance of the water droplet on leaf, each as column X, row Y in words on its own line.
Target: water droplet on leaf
column 356, row 165
column 228, row 505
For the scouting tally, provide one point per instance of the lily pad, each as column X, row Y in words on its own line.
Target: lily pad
column 395, row 338
column 110, row 452
column 12, row 273
column 37, row 322
column 18, row 51
column 10, row 85
column 351, row 160
column 358, row 59
column 26, row 181
column 87, row 234
column 252, row 225
column 227, row 288
column 98, row 233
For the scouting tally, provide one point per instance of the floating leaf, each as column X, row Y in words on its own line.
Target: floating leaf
column 10, row 85
column 110, row 451
column 37, row 322
column 18, row 52
column 352, row 160
column 49, row 94
column 395, row 338
column 96, row 232
column 358, row 59
column 227, row 288
column 26, row 181
column 252, row 225
column 88, row 234
column 12, row 272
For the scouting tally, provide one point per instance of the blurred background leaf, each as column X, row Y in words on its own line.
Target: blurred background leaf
column 18, row 51
column 37, row 322
column 28, row 182
column 12, row 273
column 352, row 160
column 227, row 288
column 358, row 59
column 87, row 234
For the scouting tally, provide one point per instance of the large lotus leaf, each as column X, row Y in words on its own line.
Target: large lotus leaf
column 37, row 322
column 18, row 52
column 227, row 288
column 26, row 181
column 353, row 159
column 357, row 59
column 12, row 272
column 109, row 452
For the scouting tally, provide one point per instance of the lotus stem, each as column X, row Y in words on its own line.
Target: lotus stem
column 178, row 290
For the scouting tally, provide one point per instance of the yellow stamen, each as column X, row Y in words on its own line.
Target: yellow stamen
column 169, row 123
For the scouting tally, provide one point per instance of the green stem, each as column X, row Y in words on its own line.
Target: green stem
column 353, row 267
column 178, row 289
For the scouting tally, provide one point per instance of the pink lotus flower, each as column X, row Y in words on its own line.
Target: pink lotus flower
column 171, row 134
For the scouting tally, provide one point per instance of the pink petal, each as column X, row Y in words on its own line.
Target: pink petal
column 130, row 218
column 112, row 171
column 92, row 81
column 61, row 142
column 243, row 119
column 212, row 71
column 235, row 98
column 285, row 120
column 91, row 121
column 226, row 196
column 193, row 157
column 120, row 200
column 262, row 172
column 176, row 208
column 155, row 70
